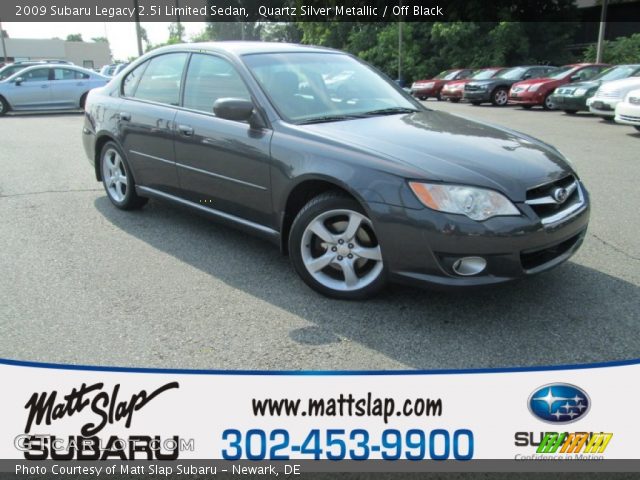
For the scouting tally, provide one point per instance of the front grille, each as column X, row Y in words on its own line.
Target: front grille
column 610, row 94
column 629, row 118
column 472, row 88
column 534, row 259
column 554, row 201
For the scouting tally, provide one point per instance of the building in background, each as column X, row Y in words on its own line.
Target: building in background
column 92, row 55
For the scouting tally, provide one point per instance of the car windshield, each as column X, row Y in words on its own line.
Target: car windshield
column 563, row 72
column 619, row 72
column 9, row 70
column 446, row 75
column 484, row 74
column 324, row 87
column 512, row 73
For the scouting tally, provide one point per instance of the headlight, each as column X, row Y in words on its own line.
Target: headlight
column 534, row 87
column 476, row 203
column 483, row 86
column 579, row 92
column 426, row 85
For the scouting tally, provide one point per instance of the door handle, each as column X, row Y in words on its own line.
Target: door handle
column 185, row 130
column 124, row 116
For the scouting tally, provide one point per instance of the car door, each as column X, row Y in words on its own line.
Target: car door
column 67, row 87
column 222, row 164
column 32, row 91
column 151, row 93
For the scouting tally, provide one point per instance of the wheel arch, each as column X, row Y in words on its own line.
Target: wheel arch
column 305, row 189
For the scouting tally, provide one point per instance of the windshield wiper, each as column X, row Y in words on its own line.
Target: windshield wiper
column 389, row 111
column 329, row 118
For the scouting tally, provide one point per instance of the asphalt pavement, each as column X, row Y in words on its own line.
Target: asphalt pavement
column 85, row 283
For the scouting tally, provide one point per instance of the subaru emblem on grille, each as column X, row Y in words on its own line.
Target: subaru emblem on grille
column 560, row 195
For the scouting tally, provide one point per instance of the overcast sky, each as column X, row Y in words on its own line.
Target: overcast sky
column 121, row 35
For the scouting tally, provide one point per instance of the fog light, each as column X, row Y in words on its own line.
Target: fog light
column 468, row 266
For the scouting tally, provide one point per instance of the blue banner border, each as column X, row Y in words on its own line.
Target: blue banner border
column 175, row 371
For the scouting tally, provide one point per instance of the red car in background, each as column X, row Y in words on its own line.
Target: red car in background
column 453, row 90
column 532, row 92
column 424, row 89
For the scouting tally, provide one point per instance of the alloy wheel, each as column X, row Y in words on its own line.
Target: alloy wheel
column 115, row 175
column 340, row 251
column 501, row 97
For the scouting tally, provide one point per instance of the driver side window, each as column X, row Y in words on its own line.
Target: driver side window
column 37, row 75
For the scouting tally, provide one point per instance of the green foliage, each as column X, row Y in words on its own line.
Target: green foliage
column 74, row 37
column 100, row 40
column 620, row 50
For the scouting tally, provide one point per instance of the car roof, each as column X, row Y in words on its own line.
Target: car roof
column 50, row 65
column 248, row 48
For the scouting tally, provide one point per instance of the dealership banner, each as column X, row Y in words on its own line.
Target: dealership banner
column 75, row 420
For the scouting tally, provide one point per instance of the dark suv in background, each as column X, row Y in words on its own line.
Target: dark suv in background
column 496, row 90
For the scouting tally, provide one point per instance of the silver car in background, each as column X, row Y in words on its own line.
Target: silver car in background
column 48, row 87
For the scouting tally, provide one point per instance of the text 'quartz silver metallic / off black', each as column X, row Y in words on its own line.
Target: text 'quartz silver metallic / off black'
column 326, row 157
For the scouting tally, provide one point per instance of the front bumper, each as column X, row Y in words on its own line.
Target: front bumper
column 477, row 95
column 421, row 246
column 527, row 98
column 451, row 94
column 628, row 114
column 603, row 107
column 567, row 102
column 424, row 92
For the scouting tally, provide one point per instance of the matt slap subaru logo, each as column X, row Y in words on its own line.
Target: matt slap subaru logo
column 559, row 403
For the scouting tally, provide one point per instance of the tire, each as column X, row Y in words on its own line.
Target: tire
column 547, row 104
column 499, row 97
column 527, row 107
column 570, row 112
column 4, row 106
column 475, row 104
column 423, row 98
column 439, row 97
column 83, row 100
column 454, row 100
column 117, row 178
column 348, row 267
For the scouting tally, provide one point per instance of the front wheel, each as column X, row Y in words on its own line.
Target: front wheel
column 527, row 107
column 548, row 103
column 454, row 100
column 117, row 178
column 475, row 104
column 334, row 248
column 570, row 112
column 500, row 97
column 4, row 106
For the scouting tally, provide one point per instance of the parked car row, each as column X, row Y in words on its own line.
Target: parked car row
column 594, row 87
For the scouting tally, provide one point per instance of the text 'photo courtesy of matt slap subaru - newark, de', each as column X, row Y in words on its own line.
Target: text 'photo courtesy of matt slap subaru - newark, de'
column 319, row 238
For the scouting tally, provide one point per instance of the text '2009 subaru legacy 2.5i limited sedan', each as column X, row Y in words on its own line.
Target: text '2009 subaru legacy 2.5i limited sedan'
column 360, row 184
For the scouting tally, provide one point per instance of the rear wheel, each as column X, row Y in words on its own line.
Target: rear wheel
column 117, row 178
column 4, row 106
column 500, row 97
column 334, row 248
column 439, row 97
column 423, row 98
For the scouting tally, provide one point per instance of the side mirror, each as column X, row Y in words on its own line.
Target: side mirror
column 574, row 78
column 527, row 76
column 239, row 110
column 18, row 81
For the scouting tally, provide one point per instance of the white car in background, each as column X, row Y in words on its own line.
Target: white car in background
column 604, row 102
column 628, row 111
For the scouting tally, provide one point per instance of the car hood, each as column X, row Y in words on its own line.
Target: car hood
column 587, row 85
column 547, row 82
column 443, row 147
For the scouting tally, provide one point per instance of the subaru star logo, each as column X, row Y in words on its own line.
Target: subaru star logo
column 559, row 403
column 560, row 195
